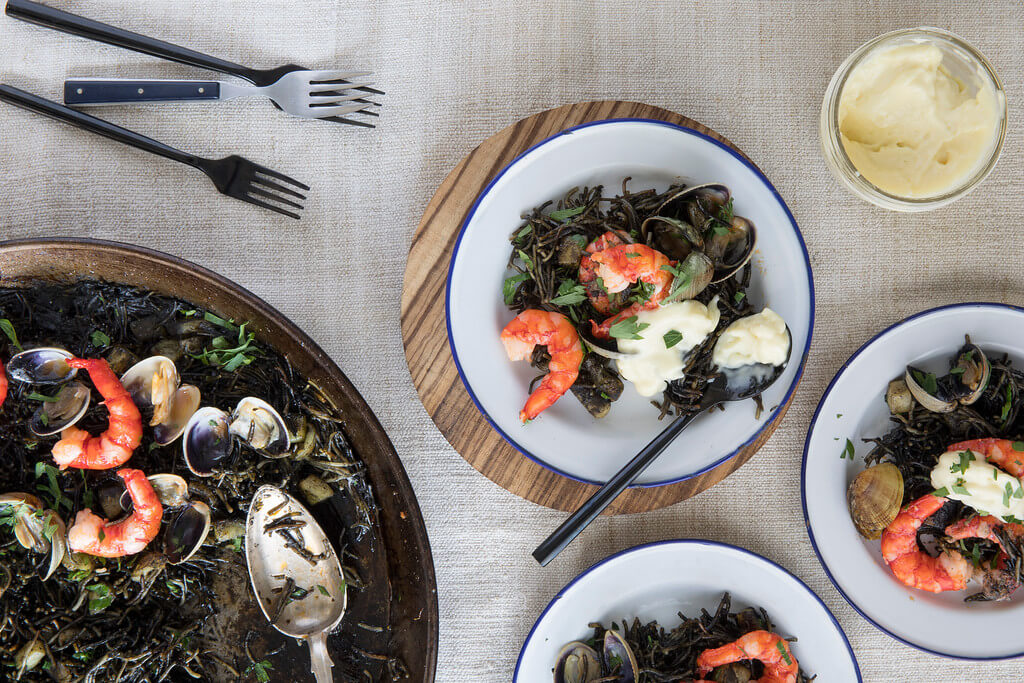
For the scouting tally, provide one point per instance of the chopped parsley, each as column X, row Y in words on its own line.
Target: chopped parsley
column 1007, row 494
column 323, row 590
column 100, row 597
column 260, row 670
column 99, row 339
column 966, row 458
column 848, row 451
column 782, row 648
column 628, row 328
column 941, row 493
column 51, row 486
column 565, row 214
column 508, row 289
column 672, row 337
column 739, row 296
column 35, row 396
column 960, row 487
column 8, row 328
column 1018, row 446
column 227, row 354
column 569, row 294
column 1007, row 403
column 926, row 380
column 525, row 258
column 643, row 292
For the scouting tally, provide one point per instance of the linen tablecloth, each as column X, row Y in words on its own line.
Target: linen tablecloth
column 455, row 72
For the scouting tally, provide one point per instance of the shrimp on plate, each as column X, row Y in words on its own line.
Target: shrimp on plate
column 949, row 571
column 93, row 535
column 534, row 327
column 620, row 266
column 112, row 448
column 588, row 276
column 999, row 452
column 780, row 666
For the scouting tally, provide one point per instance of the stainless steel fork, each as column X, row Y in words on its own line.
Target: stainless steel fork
column 234, row 176
column 309, row 94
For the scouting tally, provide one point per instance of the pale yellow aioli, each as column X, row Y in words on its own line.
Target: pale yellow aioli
column 982, row 487
column 758, row 338
column 654, row 363
column 910, row 128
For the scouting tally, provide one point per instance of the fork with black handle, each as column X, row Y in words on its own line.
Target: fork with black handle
column 49, row 17
column 234, row 176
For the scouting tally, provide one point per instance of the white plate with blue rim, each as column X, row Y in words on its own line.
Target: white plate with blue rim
column 854, row 408
column 659, row 580
column 566, row 438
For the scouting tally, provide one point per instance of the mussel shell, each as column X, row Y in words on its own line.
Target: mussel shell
column 206, row 441
column 52, row 417
column 184, row 405
column 44, row 365
column 671, row 236
column 939, row 402
column 257, row 422
column 695, row 204
column 698, row 271
column 577, row 663
column 619, row 657
column 731, row 249
column 186, row 532
column 874, row 498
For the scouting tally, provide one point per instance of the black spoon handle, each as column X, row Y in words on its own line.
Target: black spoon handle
column 595, row 505
column 37, row 104
column 35, row 13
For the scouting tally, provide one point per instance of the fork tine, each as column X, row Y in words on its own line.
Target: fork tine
column 280, row 176
column 265, row 205
column 270, row 195
column 336, row 87
column 350, row 122
column 327, row 98
column 278, row 186
column 323, row 112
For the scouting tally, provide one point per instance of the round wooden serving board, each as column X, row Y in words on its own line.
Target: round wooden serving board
column 426, row 339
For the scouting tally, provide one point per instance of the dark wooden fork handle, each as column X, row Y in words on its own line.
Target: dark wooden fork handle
column 27, row 100
column 35, row 13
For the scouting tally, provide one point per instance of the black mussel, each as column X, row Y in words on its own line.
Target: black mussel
column 186, row 532
column 731, row 247
column 41, row 366
column 671, row 236
column 206, row 441
column 597, row 385
column 64, row 409
column 577, row 663
column 696, row 205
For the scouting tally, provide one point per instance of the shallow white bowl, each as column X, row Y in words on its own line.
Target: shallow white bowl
column 566, row 438
column 854, row 408
column 659, row 580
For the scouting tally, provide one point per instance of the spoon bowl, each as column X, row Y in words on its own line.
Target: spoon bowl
column 295, row 573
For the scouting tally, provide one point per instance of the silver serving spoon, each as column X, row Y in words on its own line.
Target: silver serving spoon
column 730, row 385
column 277, row 568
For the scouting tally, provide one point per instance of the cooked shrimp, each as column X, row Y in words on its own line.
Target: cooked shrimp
column 997, row 582
column 596, row 292
column 112, row 448
column 619, row 267
column 780, row 666
column 533, row 327
column 3, row 384
column 999, row 452
column 93, row 535
column 912, row 565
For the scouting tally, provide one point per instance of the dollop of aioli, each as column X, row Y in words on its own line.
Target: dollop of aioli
column 655, row 363
column 982, row 486
column 910, row 128
column 758, row 338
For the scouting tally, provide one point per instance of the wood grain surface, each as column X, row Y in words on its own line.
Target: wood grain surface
column 426, row 340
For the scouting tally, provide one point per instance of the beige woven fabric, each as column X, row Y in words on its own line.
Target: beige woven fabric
column 456, row 72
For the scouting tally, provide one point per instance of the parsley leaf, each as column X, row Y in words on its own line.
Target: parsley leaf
column 628, row 328
column 260, row 670
column 778, row 644
column 941, row 493
column 565, row 214
column 848, row 450
column 927, row 381
column 643, row 292
column 739, row 296
column 525, row 258
column 672, row 337
column 1007, row 403
column 99, row 339
column 569, row 294
column 8, row 328
column 960, row 487
column 966, row 458
column 511, row 285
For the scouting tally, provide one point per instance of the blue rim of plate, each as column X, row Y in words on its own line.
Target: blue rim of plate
column 803, row 475
column 690, row 131
column 686, row 542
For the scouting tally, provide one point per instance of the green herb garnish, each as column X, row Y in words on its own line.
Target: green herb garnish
column 927, row 381
column 966, row 458
column 848, row 451
column 564, row 214
column 569, row 294
column 99, row 339
column 941, row 493
column 672, row 337
column 782, row 648
column 8, row 328
column 628, row 328
column 508, row 289
column 739, row 296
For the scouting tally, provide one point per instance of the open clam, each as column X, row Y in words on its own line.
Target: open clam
column 186, row 532
column 154, row 383
column 619, row 658
column 931, row 393
column 671, row 236
column 696, row 205
column 45, row 365
column 66, row 408
column 37, row 529
column 206, row 441
column 695, row 273
column 973, row 370
column 730, row 247
column 577, row 663
column 257, row 422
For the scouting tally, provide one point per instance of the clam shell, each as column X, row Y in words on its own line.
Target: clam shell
column 206, row 441
column 619, row 658
column 874, row 497
column 53, row 417
column 577, row 663
column 186, row 532
column 937, row 403
column 45, row 365
column 257, row 422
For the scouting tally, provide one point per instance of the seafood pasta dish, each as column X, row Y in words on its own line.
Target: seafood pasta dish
column 943, row 490
column 720, row 646
column 646, row 287
column 134, row 431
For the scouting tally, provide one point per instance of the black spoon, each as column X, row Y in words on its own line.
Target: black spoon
column 730, row 385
